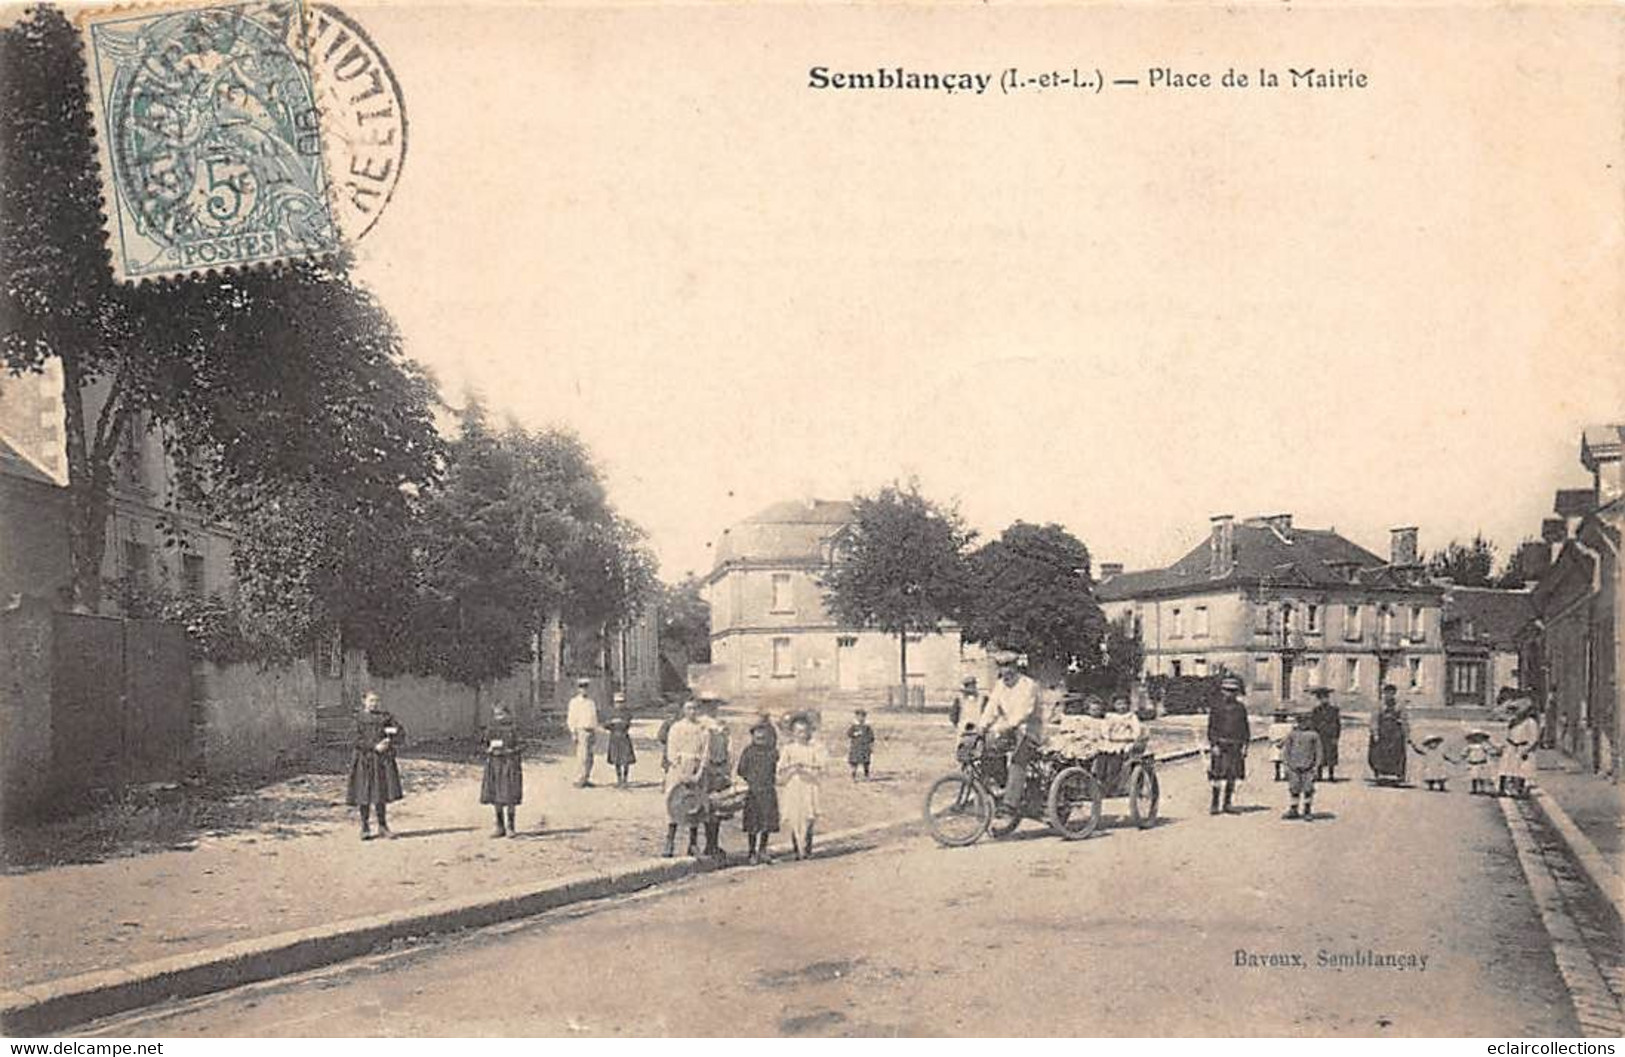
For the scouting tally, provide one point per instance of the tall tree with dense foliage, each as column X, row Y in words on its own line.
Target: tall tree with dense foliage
column 479, row 589
column 1031, row 592
column 1468, row 564
column 898, row 567
column 285, row 389
column 685, row 621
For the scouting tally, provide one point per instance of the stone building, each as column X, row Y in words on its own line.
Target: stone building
column 1287, row 609
column 772, row 635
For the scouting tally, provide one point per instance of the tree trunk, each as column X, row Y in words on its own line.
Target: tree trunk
column 90, row 476
column 902, row 667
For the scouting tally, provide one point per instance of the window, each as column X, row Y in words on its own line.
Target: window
column 1351, row 623
column 1261, row 618
column 1311, row 619
column 783, row 601
column 784, row 660
column 846, row 641
column 1176, row 668
column 1418, row 624
column 1261, row 671
column 1385, row 621
column 1199, row 667
column 192, row 575
column 1416, row 673
column 1200, row 623
column 130, row 465
column 1311, row 671
column 1465, row 680
column 1351, row 676
column 1177, row 624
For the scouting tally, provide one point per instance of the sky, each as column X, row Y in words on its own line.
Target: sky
column 1125, row 312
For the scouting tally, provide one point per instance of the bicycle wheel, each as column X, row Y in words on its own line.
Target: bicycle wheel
column 1074, row 803
column 1144, row 793
column 957, row 810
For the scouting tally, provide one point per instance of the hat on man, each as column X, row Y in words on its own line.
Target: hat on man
column 618, row 698
column 710, row 697
column 1006, row 658
column 968, row 683
column 583, row 682
column 1477, row 735
column 1230, row 684
column 1322, row 692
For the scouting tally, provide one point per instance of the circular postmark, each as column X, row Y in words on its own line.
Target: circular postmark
column 363, row 118
column 215, row 138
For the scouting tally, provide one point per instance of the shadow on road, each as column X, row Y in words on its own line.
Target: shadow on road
column 410, row 834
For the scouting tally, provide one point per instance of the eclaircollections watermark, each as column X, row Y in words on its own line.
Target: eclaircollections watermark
column 237, row 134
column 1355, row 959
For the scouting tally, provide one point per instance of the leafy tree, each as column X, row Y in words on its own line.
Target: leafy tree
column 479, row 589
column 1031, row 593
column 685, row 620
column 1468, row 564
column 898, row 567
column 283, row 389
column 1124, row 654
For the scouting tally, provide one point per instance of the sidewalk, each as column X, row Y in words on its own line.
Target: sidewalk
column 1591, row 801
column 298, row 862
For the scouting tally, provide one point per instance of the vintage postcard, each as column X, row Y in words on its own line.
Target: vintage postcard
column 812, row 520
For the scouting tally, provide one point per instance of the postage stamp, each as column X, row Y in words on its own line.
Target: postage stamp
column 210, row 137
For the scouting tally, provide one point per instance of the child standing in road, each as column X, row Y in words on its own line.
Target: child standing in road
column 1477, row 757
column 758, row 766
column 620, row 754
column 1280, row 726
column 860, row 743
column 375, row 777
column 503, row 786
column 801, row 769
column 1435, row 762
column 1301, row 759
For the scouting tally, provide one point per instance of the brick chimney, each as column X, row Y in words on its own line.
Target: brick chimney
column 1402, row 549
column 1599, row 453
column 1109, row 570
column 1221, row 545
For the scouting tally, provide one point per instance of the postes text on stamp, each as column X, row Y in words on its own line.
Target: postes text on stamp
column 209, row 136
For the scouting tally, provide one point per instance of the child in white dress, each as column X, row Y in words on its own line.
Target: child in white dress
column 802, row 763
column 1435, row 762
column 1477, row 756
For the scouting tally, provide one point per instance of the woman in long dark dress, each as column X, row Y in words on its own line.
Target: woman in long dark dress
column 621, row 756
column 1389, row 741
column 503, row 786
column 375, row 778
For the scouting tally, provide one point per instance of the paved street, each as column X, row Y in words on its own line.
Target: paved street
column 1126, row 933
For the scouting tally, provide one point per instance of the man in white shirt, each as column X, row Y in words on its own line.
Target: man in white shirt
column 581, row 717
column 1013, row 707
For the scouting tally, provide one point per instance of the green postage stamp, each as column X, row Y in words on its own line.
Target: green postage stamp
column 209, row 135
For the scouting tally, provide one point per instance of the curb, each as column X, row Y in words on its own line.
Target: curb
column 37, row 1009
column 1596, row 867
column 52, row 1005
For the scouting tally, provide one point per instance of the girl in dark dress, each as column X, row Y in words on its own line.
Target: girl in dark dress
column 759, row 767
column 621, row 756
column 375, row 779
column 503, row 786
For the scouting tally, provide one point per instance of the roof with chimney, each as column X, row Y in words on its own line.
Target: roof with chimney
column 794, row 532
column 1488, row 615
column 1267, row 552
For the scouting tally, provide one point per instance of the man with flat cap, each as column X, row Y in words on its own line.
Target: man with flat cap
column 581, row 717
column 1327, row 721
column 1228, row 733
column 1012, row 710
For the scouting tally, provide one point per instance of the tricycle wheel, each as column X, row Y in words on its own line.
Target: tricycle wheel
column 1074, row 803
column 1005, row 820
column 957, row 810
column 1143, row 796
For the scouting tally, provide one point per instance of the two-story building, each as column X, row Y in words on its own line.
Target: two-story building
column 1482, row 626
column 1287, row 609
column 771, row 633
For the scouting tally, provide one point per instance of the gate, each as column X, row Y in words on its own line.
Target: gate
column 121, row 702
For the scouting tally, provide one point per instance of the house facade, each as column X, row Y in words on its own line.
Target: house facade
column 1482, row 626
column 773, row 636
column 1572, row 650
column 1288, row 609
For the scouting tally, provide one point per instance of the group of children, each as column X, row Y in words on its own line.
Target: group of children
column 1096, row 732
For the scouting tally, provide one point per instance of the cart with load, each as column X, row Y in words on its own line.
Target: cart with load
column 1064, row 789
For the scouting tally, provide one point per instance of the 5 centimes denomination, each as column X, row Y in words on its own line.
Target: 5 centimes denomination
column 363, row 118
column 210, row 137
